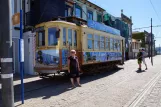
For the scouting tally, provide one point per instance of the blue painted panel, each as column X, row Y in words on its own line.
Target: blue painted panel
column 46, row 58
column 102, row 56
column 98, row 26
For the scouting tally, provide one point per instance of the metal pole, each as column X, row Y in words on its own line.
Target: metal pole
column 151, row 41
column 159, row 50
column 21, row 53
column 6, row 57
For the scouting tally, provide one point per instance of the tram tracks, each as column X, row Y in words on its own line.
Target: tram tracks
column 143, row 92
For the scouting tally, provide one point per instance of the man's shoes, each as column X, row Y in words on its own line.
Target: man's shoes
column 146, row 69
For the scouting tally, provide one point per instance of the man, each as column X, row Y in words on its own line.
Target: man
column 139, row 57
column 143, row 58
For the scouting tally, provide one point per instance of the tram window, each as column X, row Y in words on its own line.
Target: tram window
column 102, row 43
column 64, row 36
column 107, row 43
column 119, row 45
column 75, row 38
column 52, row 39
column 70, row 36
column 116, row 44
column 96, row 42
column 41, row 38
column 111, row 43
column 90, row 41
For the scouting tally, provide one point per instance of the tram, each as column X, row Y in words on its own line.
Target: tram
column 94, row 48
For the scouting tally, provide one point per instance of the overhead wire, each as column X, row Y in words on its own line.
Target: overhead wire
column 155, row 10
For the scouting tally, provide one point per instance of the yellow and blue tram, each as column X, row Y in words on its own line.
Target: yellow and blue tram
column 95, row 48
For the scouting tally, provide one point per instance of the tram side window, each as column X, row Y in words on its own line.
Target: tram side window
column 102, row 42
column 75, row 38
column 52, row 40
column 96, row 41
column 64, row 36
column 107, row 44
column 119, row 45
column 111, row 44
column 90, row 41
column 70, row 37
column 41, row 38
column 116, row 44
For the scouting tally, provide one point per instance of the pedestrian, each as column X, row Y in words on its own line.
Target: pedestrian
column 143, row 58
column 73, row 68
column 139, row 57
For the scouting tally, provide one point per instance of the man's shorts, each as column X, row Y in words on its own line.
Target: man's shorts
column 139, row 61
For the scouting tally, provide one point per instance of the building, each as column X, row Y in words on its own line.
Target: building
column 145, row 38
column 136, row 45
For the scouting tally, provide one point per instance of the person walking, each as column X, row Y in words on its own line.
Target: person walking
column 73, row 68
column 139, row 57
column 143, row 58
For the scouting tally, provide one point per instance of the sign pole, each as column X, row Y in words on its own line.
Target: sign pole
column 21, row 53
column 6, row 57
column 151, row 41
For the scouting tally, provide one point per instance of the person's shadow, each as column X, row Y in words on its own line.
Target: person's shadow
column 140, row 71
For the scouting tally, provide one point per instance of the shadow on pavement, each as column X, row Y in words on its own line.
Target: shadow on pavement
column 140, row 71
column 49, row 87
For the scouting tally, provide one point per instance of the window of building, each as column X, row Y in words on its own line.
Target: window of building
column 90, row 41
column 111, row 44
column 68, row 11
column 41, row 38
column 64, row 36
column 90, row 15
column 78, row 11
column 99, row 18
column 70, row 37
column 52, row 39
column 75, row 38
column 107, row 44
column 102, row 42
column 96, row 42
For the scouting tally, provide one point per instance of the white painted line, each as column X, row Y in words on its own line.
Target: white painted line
column 6, row 60
column 5, row 76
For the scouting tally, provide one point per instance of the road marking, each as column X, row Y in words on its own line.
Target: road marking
column 6, row 60
column 149, row 85
column 6, row 76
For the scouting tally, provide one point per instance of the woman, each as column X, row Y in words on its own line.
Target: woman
column 73, row 68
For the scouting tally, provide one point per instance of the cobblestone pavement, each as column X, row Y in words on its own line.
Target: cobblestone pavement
column 109, row 89
column 153, row 97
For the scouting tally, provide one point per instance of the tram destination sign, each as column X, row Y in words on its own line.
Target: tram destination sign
column 39, row 29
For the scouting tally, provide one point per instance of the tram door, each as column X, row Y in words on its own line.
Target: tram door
column 71, row 40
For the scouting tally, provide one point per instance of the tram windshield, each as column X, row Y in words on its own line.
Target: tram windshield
column 52, row 37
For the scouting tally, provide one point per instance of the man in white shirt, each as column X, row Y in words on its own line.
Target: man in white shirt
column 143, row 58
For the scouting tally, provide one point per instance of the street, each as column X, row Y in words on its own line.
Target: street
column 120, row 88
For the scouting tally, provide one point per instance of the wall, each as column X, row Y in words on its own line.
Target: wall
column 45, row 10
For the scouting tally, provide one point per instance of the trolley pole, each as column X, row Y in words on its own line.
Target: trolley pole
column 6, row 58
column 151, row 41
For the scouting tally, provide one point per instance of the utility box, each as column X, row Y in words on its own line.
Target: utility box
column 29, row 50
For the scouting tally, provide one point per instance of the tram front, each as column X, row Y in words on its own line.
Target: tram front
column 47, row 49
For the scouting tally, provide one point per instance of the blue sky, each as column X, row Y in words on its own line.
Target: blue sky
column 140, row 10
